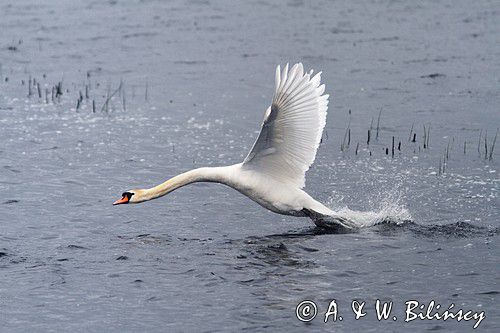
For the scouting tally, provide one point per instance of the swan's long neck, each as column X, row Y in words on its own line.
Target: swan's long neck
column 207, row 174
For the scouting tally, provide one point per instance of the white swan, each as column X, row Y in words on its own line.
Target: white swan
column 273, row 173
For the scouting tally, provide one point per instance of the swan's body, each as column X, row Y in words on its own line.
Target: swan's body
column 273, row 173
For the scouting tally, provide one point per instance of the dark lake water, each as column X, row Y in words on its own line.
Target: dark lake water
column 187, row 83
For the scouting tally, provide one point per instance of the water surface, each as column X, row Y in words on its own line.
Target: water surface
column 196, row 78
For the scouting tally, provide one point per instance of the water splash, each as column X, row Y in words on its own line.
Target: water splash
column 390, row 209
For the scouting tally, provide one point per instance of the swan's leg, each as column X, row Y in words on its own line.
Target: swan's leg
column 331, row 221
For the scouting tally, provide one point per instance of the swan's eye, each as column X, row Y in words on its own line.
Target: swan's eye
column 127, row 194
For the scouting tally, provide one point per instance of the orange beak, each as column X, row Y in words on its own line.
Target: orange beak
column 123, row 200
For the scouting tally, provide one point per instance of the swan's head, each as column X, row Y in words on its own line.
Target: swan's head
column 130, row 196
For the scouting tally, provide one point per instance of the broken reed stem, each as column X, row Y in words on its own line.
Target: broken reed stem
column 425, row 137
column 124, row 101
column 392, row 149
column 428, row 135
column 369, row 133
column 105, row 105
column 343, row 145
column 378, row 122
column 58, row 91
column 493, row 145
column 411, row 131
column 108, row 92
column 357, row 148
column 486, row 144
column 347, row 135
column 29, row 87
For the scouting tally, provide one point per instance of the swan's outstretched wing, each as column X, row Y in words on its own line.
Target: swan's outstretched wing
column 292, row 127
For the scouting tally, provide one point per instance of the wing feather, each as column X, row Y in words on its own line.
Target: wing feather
column 291, row 132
